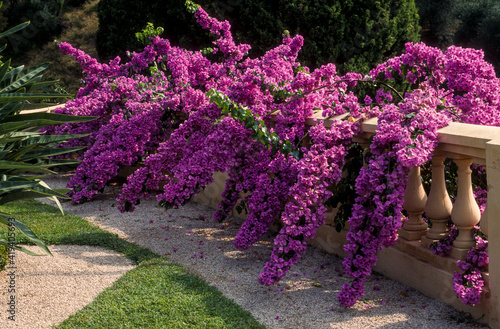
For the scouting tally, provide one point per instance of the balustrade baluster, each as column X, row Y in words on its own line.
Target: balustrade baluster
column 438, row 207
column 414, row 202
column 465, row 213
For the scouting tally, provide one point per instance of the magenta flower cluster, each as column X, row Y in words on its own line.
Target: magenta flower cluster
column 443, row 246
column 154, row 111
column 406, row 136
column 320, row 168
column 443, row 87
column 468, row 282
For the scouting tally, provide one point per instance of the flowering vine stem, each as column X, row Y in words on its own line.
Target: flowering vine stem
column 259, row 130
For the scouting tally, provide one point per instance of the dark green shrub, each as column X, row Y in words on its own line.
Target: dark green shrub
column 437, row 21
column 118, row 22
column 44, row 18
column 74, row 3
column 352, row 34
column 474, row 24
column 479, row 27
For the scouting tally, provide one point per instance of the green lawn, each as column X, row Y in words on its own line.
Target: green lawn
column 156, row 294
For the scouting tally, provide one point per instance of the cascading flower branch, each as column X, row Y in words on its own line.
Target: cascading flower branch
column 405, row 137
column 440, row 88
column 129, row 107
column 318, row 170
column 468, row 282
column 138, row 105
column 188, row 159
column 264, row 159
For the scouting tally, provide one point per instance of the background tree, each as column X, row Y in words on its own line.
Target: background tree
column 351, row 34
column 473, row 24
column 44, row 18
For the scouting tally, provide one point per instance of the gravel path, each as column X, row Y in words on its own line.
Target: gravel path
column 305, row 298
column 49, row 289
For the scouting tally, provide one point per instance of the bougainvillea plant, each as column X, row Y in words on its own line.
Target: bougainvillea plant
column 188, row 114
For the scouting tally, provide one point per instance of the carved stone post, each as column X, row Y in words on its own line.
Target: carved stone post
column 465, row 213
column 493, row 230
column 414, row 202
column 438, row 206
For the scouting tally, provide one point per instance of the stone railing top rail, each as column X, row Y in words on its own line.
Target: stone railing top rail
column 456, row 140
column 468, row 140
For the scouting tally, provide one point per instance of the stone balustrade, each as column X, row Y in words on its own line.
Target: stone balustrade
column 464, row 144
column 410, row 261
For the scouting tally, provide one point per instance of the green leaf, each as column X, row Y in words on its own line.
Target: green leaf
column 404, row 70
column 10, row 109
column 32, row 82
column 17, row 153
column 9, row 186
column 3, row 70
column 20, row 97
column 43, row 188
column 45, row 84
column 47, row 139
column 410, row 115
column 12, row 126
column 15, row 188
column 5, row 243
column 28, row 195
column 13, row 30
column 37, row 106
column 295, row 154
column 49, row 152
column 56, row 162
column 275, row 139
column 287, row 147
column 22, row 79
column 27, row 178
column 6, row 165
column 52, row 117
column 26, row 231
column 38, row 120
column 11, row 75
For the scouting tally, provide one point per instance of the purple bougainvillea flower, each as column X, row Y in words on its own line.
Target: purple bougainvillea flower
column 154, row 112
